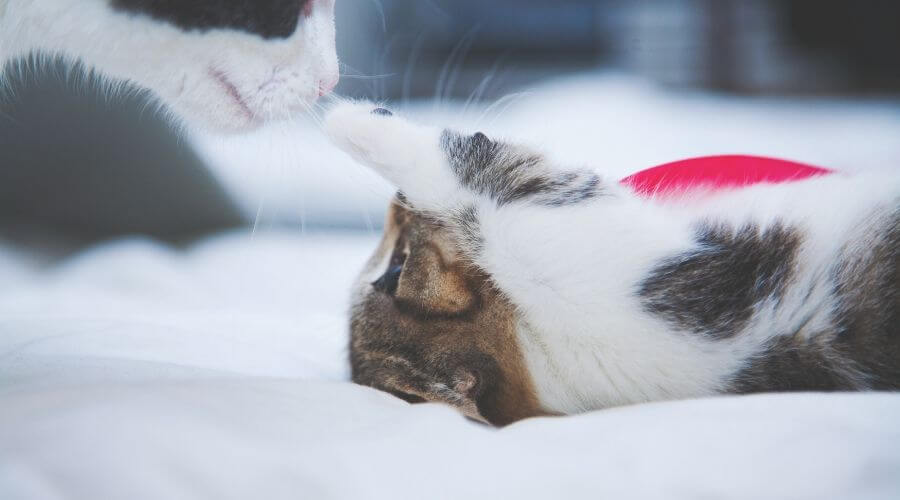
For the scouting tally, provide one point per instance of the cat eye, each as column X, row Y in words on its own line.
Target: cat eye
column 388, row 281
column 409, row 398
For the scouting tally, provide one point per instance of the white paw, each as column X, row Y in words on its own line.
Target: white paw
column 396, row 148
column 353, row 127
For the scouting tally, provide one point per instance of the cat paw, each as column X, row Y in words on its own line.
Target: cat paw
column 399, row 150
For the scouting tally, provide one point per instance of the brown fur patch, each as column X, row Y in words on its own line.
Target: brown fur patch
column 446, row 335
column 438, row 285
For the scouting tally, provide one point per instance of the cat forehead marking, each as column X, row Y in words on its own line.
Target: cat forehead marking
column 266, row 18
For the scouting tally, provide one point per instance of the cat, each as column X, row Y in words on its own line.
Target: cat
column 510, row 288
column 224, row 65
column 107, row 89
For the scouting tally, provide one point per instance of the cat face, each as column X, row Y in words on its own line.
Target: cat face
column 427, row 326
column 227, row 65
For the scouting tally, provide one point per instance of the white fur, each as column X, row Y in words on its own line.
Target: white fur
column 191, row 71
column 573, row 271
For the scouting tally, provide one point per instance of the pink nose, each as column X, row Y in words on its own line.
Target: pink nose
column 328, row 84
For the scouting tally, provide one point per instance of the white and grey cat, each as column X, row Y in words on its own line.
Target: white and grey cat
column 229, row 65
column 509, row 288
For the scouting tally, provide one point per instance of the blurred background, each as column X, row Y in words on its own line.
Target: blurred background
column 619, row 84
column 457, row 48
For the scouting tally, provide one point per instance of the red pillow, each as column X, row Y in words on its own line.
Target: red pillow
column 717, row 173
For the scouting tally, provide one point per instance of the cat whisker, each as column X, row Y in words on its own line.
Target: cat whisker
column 380, row 90
column 411, row 62
column 344, row 66
column 368, row 77
column 447, row 77
column 313, row 113
column 465, row 47
column 380, row 7
column 505, row 101
column 479, row 91
column 258, row 218
column 348, row 71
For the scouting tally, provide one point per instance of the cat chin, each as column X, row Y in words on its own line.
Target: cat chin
column 220, row 80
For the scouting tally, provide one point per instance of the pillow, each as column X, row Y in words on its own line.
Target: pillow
column 718, row 173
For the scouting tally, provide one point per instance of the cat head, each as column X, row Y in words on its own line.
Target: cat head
column 428, row 326
column 227, row 65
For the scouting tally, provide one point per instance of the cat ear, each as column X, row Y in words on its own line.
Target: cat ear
column 460, row 389
column 480, row 139
column 476, row 380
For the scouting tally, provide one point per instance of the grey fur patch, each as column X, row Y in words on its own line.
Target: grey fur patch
column 469, row 230
column 713, row 289
column 867, row 288
column 789, row 363
column 860, row 349
column 505, row 175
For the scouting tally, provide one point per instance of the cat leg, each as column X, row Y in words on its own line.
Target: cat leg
column 406, row 154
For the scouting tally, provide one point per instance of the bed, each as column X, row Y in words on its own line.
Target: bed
column 133, row 369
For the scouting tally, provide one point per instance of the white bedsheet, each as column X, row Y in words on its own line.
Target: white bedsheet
column 133, row 370
column 137, row 371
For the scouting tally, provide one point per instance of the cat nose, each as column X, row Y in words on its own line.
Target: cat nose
column 327, row 85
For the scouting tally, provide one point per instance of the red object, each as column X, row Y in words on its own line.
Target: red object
column 718, row 173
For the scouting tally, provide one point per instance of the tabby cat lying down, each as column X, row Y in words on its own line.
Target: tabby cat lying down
column 509, row 289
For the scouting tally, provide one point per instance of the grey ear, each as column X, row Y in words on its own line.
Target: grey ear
column 479, row 139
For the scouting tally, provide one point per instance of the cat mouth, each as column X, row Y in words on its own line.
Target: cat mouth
column 232, row 91
column 243, row 105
